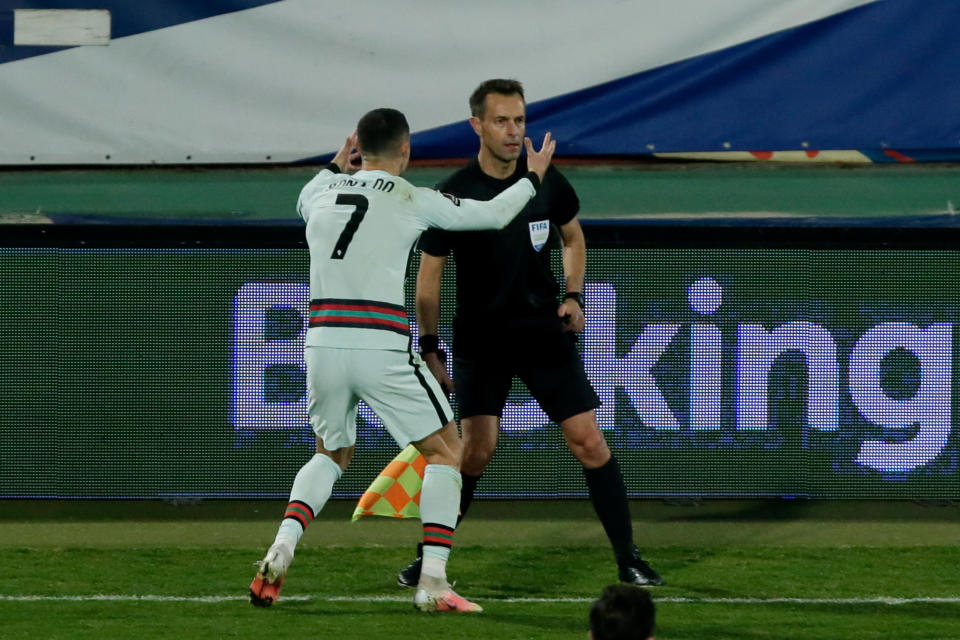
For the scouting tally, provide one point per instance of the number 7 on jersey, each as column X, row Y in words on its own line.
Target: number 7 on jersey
column 360, row 204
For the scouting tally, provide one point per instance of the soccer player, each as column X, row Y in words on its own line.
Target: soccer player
column 507, row 321
column 360, row 231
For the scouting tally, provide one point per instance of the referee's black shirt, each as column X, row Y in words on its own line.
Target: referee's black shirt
column 502, row 277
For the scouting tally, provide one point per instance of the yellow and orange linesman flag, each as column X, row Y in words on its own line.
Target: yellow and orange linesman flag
column 396, row 491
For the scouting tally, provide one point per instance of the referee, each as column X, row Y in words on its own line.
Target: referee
column 507, row 322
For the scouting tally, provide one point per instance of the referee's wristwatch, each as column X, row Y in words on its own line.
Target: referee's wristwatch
column 575, row 295
column 430, row 343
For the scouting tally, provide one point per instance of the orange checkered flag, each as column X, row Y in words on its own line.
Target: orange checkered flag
column 396, row 491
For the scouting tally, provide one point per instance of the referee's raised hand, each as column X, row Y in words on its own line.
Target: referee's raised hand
column 538, row 161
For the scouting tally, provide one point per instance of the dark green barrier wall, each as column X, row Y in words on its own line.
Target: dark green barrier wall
column 170, row 372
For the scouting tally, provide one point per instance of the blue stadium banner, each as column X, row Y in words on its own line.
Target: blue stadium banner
column 284, row 81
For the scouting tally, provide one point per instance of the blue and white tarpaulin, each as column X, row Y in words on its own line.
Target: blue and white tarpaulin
column 247, row 81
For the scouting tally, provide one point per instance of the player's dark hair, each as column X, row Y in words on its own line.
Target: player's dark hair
column 381, row 132
column 622, row 612
column 478, row 99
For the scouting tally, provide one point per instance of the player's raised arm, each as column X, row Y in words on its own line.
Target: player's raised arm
column 348, row 157
column 464, row 214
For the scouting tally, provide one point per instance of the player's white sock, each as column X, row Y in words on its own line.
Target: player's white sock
column 310, row 492
column 439, row 503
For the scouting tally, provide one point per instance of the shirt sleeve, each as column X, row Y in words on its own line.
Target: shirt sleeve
column 436, row 242
column 463, row 214
column 564, row 203
column 319, row 181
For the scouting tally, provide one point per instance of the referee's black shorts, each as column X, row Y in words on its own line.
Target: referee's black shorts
column 538, row 351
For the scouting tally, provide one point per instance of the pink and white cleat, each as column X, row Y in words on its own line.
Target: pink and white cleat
column 266, row 585
column 436, row 595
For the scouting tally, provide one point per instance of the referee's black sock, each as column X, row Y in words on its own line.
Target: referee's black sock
column 466, row 493
column 609, row 496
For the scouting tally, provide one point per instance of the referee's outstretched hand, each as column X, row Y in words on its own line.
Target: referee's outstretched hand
column 538, row 161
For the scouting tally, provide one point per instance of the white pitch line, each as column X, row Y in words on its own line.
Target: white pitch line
column 887, row 600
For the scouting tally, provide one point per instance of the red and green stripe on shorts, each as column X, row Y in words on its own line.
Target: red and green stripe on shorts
column 359, row 314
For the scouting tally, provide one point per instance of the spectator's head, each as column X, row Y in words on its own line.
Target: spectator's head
column 622, row 612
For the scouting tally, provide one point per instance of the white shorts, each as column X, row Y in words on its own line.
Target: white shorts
column 397, row 385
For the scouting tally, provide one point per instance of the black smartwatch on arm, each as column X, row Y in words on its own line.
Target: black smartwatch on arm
column 430, row 343
column 575, row 295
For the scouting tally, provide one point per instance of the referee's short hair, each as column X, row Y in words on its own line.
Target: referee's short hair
column 381, row 132
column 478, row 99
column 622, row 612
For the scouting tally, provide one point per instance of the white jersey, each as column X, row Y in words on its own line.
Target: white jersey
column 361, row 230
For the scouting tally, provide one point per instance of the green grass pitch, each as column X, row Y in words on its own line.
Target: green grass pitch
column 748, row 569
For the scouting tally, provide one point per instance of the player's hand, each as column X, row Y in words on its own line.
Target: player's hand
column 348, row 157
column 572, row 315
column 538, row 161
column 439, row 371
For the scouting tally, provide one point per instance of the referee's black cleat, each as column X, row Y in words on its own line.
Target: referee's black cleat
column 409, row 576
column 637, row 571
